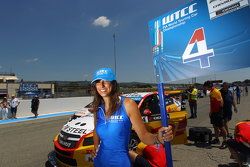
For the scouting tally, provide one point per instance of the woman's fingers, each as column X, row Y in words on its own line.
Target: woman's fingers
column 94, row 153
column 165, row 134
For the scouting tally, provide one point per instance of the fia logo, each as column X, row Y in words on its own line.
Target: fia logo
column 203, row 54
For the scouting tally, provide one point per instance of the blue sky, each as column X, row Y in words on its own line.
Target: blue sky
column 69, row 39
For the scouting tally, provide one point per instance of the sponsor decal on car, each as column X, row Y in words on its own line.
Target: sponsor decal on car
column 69, row 129
column 64, row 143
column 80, row 125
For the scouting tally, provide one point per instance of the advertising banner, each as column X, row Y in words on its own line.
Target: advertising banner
column 201, row 38
column 31, row 88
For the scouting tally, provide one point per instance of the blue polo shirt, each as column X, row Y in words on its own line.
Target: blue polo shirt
column 114, row 134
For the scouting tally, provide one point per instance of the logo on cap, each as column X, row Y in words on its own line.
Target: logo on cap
column 106, row 74
column 102, row 72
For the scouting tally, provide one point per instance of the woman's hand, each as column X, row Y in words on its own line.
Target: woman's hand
column 95, row 151
column 165, row 134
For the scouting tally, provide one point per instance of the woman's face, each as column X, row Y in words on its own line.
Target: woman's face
column 103, row 87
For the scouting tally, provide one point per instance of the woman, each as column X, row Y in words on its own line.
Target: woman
column 114, row 118
column 4, row 106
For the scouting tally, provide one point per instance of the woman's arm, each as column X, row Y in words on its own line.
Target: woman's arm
column 164, row 133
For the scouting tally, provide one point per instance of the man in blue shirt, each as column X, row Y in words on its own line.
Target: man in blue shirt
column 229, row 101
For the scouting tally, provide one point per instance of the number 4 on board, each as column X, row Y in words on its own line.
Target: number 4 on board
column 202, row 53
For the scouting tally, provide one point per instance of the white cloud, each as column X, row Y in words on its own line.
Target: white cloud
column 1, row 66
column 31, row 60
column 102, row 21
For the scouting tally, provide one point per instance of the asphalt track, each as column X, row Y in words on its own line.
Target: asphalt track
column 27, row 143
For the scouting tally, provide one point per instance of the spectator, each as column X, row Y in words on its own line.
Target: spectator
column 246, row 90
column 114, row 117
column 35, row 105
column 14, row 102
column 229, row 101
column 4, row 108
column 238, row 92
column 204, row 92
column 240, row 145
column 192, row 99
column 152, row 156
column 216, row 113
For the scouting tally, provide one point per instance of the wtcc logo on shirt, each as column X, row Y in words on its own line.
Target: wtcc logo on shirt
column 116, row 118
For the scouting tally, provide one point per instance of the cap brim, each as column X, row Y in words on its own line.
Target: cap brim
column 104, row 79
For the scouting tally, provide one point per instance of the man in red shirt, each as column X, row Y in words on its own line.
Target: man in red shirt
column 216, row 113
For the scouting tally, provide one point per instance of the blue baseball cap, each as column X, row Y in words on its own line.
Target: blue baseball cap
column 105, row 74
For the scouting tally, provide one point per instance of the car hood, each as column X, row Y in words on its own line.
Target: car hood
column 80, row 125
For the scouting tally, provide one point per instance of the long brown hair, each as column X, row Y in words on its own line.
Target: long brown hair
column 114, row 98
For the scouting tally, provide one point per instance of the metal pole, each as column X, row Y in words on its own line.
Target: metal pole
column 164, row 122
column 114, row 52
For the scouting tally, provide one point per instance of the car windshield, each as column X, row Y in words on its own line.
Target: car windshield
column 151, row 103
column 137, row 102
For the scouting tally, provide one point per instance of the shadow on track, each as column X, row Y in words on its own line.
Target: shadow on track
column 229, row 165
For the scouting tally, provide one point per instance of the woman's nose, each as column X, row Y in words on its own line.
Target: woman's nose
column 102, row 83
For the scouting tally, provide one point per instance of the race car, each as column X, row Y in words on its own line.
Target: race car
column 74, row 144
column 148, row 104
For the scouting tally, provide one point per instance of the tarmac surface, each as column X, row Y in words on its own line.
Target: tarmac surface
column 27, row 144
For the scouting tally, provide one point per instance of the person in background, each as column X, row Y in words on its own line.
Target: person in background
column 216, row 113
column 240, row 145
column 229, row 101
column 4, row 107
column 35, row 105
column 152, row 156
column 14, row 103
column 238, row 92
column 246, row 90
column 114, row 117
column 204, row 92
column 192, row 99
